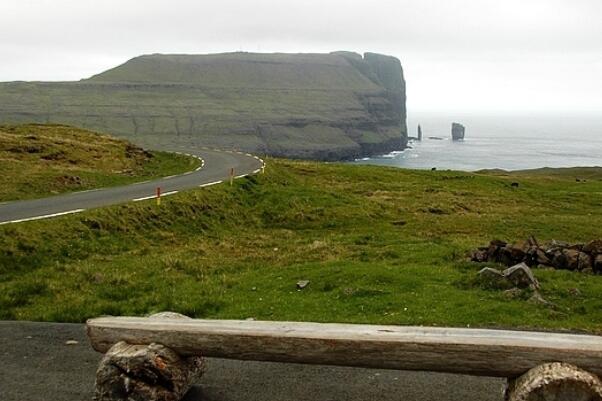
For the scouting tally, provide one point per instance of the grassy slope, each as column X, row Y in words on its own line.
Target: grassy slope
column 237, row 252
column 577, row 173
column 42, row 160
column 243, row 70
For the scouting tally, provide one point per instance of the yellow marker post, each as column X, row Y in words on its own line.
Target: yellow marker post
column 158, row 196
column 231, row 176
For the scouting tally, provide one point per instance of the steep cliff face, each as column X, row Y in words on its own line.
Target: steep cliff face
column 322, row 106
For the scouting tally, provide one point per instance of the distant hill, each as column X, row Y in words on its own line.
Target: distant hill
column 321, row 106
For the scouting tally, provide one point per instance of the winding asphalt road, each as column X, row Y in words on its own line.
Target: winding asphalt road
column 216, row 168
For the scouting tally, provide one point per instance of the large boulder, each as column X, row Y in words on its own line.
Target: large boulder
column 144, row 373
column 493, row 278
column 141, row 372
column 480, row 255
column 558, row 258
column 494, row 250
column 598, row 264
column 585, row 261
column 515, row 253
column 541, row 258
column 593, row 247
column 518, row 276
column 571, row 257
column 521, row 276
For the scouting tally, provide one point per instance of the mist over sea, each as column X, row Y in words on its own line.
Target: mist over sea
column 503, row 141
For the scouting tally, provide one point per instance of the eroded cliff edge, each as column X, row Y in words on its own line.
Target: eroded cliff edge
column 333, row 106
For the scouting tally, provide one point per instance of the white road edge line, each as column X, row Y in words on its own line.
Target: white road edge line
column 46, row 216
column 210, row 183
column 144, row 198
column 154, row 196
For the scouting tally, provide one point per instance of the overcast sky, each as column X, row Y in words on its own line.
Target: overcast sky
column 458, row 55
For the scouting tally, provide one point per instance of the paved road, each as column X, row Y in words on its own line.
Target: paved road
column 217, row 165
column 36, row 365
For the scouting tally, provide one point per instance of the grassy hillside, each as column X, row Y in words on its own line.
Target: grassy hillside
column 379, row 245
column 243, row 70
column 578, row 173
column 42, row 160
column 323, row 106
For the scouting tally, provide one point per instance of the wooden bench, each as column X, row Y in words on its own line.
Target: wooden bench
column 566, row 364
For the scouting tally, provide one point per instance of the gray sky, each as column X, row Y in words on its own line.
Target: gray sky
column 458, row 55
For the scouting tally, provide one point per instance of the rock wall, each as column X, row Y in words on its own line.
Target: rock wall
column 584, row 257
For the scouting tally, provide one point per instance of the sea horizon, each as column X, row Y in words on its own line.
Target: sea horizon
column 506, row 141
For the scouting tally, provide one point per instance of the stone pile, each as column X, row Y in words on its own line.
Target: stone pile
column 585, row 258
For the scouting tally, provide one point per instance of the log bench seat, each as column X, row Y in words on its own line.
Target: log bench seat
column 567, row 365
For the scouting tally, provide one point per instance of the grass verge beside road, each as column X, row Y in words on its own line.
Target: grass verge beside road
column 43, row 160
column 378, row 245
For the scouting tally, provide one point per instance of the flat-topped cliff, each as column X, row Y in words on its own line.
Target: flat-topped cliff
column 321, row 106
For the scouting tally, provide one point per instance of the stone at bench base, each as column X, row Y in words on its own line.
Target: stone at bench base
column 145, row 373
column 555, row 382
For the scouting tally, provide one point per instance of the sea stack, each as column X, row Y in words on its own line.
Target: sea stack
column 419, row 133
column 458, row 131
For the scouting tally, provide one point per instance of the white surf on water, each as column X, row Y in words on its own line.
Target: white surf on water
column 504, row 141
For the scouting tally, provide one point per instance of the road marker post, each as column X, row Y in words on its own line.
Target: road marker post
column 231, row 176
column 158, row 196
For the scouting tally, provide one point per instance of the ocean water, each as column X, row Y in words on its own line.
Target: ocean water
column 504, row 141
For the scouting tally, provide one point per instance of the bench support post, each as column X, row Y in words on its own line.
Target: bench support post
column 132, row 372
column 555, row 382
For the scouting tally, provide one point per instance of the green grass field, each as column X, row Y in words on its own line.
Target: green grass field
column 43, row 160
column 379, row 245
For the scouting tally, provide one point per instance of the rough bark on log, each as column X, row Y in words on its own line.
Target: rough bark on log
column 555, row 382
column 147, row 372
